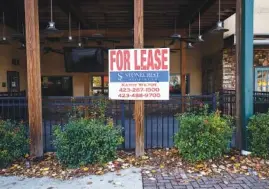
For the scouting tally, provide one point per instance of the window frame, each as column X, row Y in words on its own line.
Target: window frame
column 102, row 88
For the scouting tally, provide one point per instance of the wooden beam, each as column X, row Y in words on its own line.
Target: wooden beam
column 183, row 64
column 139, row 104
column 75, row 11
column 238, row 69
column 11, row 17
column 34, row 77
column 192, row 12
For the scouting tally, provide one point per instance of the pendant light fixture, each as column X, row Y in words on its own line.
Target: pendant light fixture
column 51, row 26
column 70, row 38
column 189, row 45
column 79, row 44
column 175, row 35
column 200, row 37
column 20, row 34
column 3, row 40
column 220, row 28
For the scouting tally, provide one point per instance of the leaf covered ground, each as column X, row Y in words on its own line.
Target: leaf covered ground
column 155, row 159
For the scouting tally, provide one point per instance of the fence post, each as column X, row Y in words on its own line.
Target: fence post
column 214, row 102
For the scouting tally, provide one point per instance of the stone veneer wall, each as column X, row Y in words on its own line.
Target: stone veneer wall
column 261, row 59
column 229, row 68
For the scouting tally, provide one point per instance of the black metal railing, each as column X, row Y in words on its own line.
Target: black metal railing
column 160, row 121
column 227, row 102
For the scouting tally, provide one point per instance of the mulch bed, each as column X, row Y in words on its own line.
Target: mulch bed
column 155, row 159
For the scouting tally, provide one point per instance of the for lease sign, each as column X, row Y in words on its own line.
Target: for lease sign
column 139, row 74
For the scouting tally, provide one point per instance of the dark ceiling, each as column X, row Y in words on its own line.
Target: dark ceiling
column 107, row 14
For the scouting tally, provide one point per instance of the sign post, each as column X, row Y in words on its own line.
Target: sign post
column 139, row 74
column 139, row 105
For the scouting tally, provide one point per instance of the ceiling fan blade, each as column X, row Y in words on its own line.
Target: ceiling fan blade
column 57, row 51
column 18, row 36
column 188, row 39
column 4, row 42
column 172, row 42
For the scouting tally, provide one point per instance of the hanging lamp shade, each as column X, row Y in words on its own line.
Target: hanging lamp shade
column 175, row 36
column 51, row 28
column 200, row 38
column 189, row 46
column 219, row 28
column 4, row 41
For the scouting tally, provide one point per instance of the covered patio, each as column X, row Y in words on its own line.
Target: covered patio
column 101, row 24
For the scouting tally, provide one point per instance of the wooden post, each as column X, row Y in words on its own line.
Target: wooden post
column 238, row 68
column 86, row 94
column 139, row 104
column 86, row 84
column 34, row 77
column 183, row 62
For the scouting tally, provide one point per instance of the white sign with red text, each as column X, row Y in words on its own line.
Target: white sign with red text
column 139, row 74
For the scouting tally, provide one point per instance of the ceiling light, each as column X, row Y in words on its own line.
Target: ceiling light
column 220, row 28
column 190, row 46
column 175, row 35
column 200, row 37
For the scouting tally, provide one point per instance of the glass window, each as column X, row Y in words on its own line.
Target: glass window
column 57, row 86
column 175, row 84
column 105, row 81
column 100, row 85
column 97, row 81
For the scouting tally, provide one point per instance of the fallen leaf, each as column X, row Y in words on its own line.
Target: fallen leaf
column 145, row 157
column 85, row 169
column 199, row 166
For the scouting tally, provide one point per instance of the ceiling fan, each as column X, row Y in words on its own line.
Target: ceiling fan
column 171, row 50
column 47, row 50
column 177, row 37
column 100, row 38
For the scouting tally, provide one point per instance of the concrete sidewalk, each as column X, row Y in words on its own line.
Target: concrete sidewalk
column 128, row 179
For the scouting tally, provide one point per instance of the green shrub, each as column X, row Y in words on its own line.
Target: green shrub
column 203, row 136
column 13, row 142
column 258, row 129
column 86, row 141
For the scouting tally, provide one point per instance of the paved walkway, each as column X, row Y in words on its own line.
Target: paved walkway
column 128, row 179
column 178, row 179
column 131, row 179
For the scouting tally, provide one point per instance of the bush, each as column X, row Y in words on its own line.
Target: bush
column 203, row 136
column 86, row 141
column 258, row 129
column 13, row 142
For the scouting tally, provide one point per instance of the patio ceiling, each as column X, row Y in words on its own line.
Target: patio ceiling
column 113, row 14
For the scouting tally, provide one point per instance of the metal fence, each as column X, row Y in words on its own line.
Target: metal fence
column 160, row 121
column 227, row 102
